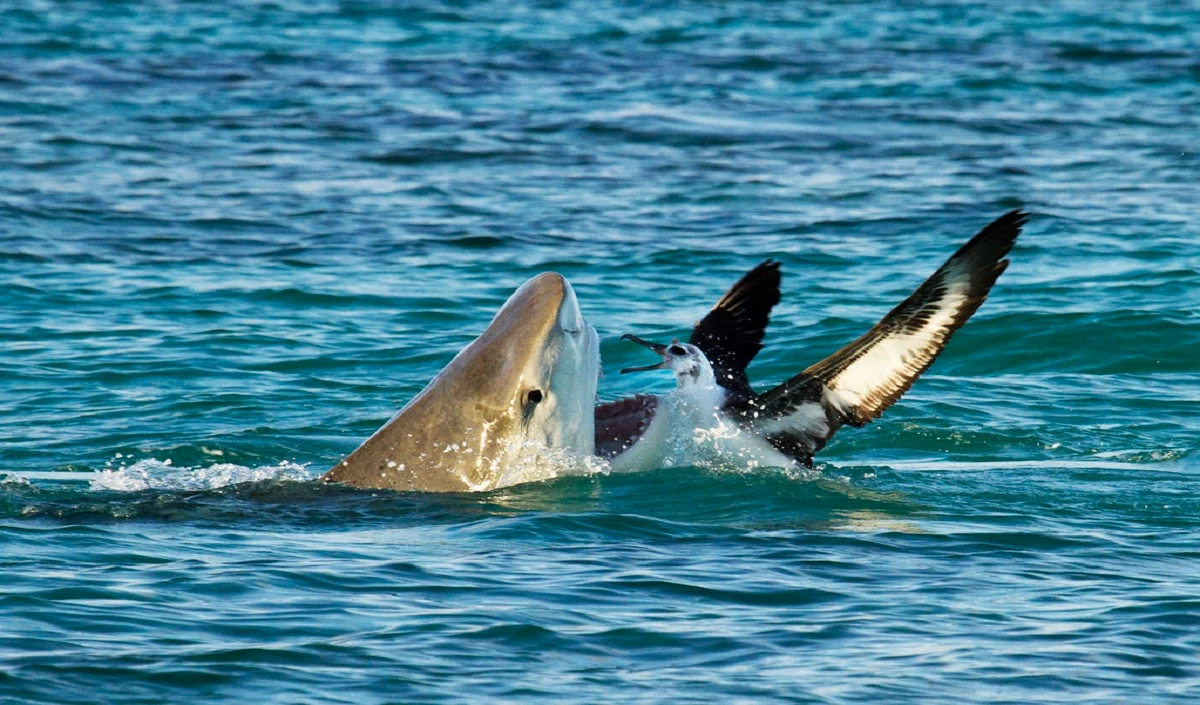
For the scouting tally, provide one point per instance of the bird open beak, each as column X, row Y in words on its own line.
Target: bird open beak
column 656, row 347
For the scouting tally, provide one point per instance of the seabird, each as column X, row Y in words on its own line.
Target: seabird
column 713, row 410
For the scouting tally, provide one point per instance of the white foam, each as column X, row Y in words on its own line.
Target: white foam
column 13, row 479
column 152, row 473
column 534, row 462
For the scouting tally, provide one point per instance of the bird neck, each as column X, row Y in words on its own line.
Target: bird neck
column 698, row 392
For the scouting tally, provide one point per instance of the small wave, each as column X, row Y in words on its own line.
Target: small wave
column 1135, row 457
column 1114, row 461
column 8, row 480
column 157, row 474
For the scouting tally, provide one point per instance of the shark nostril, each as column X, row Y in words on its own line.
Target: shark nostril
column 677, row 350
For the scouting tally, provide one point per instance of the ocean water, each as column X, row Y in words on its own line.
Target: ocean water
column 236, row 237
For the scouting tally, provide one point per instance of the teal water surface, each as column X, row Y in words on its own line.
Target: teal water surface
column 236, row 237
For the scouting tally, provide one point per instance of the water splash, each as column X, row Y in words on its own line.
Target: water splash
column 537, row 463
column 722, row 446
column 531, row 461
column 152, row 473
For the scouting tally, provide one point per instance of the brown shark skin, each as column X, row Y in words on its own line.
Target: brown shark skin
column 415, row 451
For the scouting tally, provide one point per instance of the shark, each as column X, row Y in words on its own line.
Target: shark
column 520, row 395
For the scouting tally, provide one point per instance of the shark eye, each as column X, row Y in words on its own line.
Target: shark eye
column 677, row 350
column 532, row 398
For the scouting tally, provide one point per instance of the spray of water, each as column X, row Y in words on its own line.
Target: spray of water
column 151, row 473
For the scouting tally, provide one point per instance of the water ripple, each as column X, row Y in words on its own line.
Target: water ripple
column 235, row 239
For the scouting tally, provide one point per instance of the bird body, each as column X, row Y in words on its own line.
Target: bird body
column 690, row 426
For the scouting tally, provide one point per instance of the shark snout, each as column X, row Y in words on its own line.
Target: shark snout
column 570, row 318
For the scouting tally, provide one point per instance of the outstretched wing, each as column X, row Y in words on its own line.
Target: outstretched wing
column 857, row 383
column 732, row 332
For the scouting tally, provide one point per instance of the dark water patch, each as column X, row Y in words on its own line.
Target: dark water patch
column 27, row 258
column 479, row 242
column 420, row 156
column 771, row 597
column 227, row 224
column 292, row 296
column 1092, row 52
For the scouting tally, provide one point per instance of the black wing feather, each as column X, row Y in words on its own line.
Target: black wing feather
column 732, row 332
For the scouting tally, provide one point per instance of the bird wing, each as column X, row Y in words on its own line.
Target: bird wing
column 857, row 383
column 620, row 423
column 731, row 334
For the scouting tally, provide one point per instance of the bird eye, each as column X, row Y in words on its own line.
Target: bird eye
column 677, row 350
column 533, row 396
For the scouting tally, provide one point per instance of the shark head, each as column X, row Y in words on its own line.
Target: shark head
column 526, row 385
column 540, row 358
